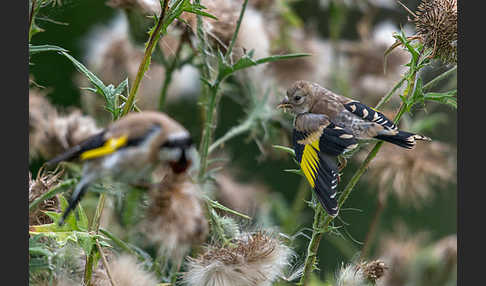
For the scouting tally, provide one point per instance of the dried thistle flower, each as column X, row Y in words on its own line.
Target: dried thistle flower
column 252, row 34
column 373, row 270
column 244, row 198
column 43, row 183
column 446, row 249
column 146, row 7
column 41, row 113
column 125, row 271
column 253, row 259
column 360, row 274
column 413, row 260
column 410, row 175
column 436, row 25
column 368, row 78
column 397, row 251
column 316, row 68
column 175, row 218
column 66, row 131
column 113, row 57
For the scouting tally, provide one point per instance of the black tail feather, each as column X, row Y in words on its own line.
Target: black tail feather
column 75, row 199
column 326, row 183
column 403, row 139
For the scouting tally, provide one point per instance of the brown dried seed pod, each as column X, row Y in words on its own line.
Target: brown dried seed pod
column 436, row 24
column 175, row 218
column 43, row 183
column 66, row 131
column 252, row 259
column 411, row 175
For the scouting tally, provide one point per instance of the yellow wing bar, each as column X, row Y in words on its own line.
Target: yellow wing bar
column 310, row 162
column 109, row 147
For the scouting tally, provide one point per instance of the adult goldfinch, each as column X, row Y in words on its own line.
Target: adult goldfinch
column 306, row 99
column 129, row 149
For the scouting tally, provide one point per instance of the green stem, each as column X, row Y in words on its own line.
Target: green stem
column 437, row 79
column 387, row 97
column 310, row 260
column 154, row 38
column 88, row 269
column 168, row 75
column 235, row 34
column 95, row 225
column 31, row 18
column 208, row 130
column 233, row 132
column 105, row 263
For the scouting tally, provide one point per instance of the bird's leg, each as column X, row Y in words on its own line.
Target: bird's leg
column 342, row 162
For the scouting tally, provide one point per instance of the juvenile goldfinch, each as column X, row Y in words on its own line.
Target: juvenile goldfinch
column 316, row 142
column 327, row 125
column 129, row 149
column 310, row 101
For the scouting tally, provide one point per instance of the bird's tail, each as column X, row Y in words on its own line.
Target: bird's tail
column 75, row 198
column 403, row 139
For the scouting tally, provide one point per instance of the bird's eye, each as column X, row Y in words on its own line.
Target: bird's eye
column 297, row 98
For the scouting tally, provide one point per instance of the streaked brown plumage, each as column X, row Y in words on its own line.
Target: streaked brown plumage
column 129, row 149
column 309, row 101
column 327, row 125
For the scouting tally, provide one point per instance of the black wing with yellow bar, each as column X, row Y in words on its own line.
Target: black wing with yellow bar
column 316, row 153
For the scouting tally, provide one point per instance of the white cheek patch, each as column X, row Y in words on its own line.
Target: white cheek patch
column 178, row 135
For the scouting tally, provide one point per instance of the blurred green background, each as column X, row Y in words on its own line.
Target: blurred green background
column 56, row 73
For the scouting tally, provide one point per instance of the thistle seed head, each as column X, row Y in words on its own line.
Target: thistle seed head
column 436, row 25
column 252, row 259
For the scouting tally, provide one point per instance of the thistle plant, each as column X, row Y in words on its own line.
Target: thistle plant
column 210, row 226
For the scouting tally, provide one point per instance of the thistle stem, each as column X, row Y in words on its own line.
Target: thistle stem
column 154, row 38
column 105, row 263
column 31, row 18
column 438, row 78
column 235, row 34
column 233, row 132
column 95, row 225
column 168, row 74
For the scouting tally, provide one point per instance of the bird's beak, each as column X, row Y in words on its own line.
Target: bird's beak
column 285, row 103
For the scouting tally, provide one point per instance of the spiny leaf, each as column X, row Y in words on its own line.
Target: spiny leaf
column 448, row 98
column 295, row 171
column 197, row 9
column 284, row 148
column 216, row 204
column 91, row 76
column 45, row 48
column 246, row 61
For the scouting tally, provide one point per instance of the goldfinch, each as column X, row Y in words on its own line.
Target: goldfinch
column 316, row 142
column 307, row 98
column 129, row 149
column 327, row 125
